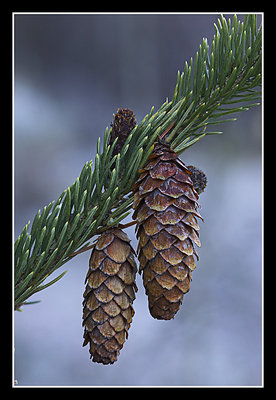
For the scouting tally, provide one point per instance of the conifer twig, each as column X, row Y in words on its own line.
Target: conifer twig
column 222, row 79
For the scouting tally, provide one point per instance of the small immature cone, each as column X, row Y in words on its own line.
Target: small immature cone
column 123, row 123
column 108, row 297
column 166, row 204
column 199, row 179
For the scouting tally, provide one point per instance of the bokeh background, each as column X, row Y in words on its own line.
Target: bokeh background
column 72, row 72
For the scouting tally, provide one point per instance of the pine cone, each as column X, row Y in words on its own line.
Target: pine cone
column 166, row 204
column 199, row 178
column 108, row 297
column 123, row 123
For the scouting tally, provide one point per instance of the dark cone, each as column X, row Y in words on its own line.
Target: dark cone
column 108, row 297
column 199, row 179
column 123, row 123
column 166, row 204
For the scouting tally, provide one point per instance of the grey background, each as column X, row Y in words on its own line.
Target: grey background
column 72, row 72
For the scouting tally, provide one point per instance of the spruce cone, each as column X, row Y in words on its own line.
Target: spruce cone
column 123, row 123
column 166, row 204
column 108, row 297
column 199, row 179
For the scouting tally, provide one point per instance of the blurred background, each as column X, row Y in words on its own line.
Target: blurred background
column 72, row 72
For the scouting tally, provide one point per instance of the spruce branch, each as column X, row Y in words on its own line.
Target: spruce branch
column 222, row 79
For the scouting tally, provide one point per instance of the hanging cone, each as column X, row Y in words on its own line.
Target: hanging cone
column 166, row 204
column 108, row 297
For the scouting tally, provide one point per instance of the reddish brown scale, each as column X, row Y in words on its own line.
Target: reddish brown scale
column 166, row 205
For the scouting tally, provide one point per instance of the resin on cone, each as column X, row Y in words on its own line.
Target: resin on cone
column 109, row 295
column 166, row 205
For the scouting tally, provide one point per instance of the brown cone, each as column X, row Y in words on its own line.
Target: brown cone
column 108, row 297
column 166, row 204
column 199, row 179
column 123, row 123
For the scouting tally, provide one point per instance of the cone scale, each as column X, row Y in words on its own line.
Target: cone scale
column 166, row 204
